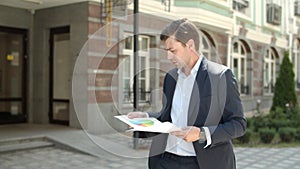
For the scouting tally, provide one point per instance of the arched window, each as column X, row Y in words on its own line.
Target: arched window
column 269, row 71
column 204, row 46
column 239, row 66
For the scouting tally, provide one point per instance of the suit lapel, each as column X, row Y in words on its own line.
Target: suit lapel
column 169, row 89
column 197, row 92
column 172, row 87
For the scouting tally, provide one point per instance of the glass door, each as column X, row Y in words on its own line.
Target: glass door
column 60, row 75
column 12, row 75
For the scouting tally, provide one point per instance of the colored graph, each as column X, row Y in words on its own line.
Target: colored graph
column 142, row 122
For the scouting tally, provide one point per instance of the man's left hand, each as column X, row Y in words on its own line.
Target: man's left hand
column 189, row 133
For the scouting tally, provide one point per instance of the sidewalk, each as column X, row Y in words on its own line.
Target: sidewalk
column 115, row 143
column 106, row 148
column 113, row 151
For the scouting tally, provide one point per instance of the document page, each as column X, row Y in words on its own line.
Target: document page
column 148, row 124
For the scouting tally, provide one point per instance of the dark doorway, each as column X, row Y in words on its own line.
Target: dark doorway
column 60, row 75
column 13, row 70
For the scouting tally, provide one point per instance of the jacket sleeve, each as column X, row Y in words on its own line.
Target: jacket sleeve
column 232, row 123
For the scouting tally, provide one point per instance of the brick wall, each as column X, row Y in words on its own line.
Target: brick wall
column 103, row 60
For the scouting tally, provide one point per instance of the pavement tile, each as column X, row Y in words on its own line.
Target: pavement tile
column 56, row 158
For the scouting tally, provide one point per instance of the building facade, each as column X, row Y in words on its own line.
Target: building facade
column 73, row 63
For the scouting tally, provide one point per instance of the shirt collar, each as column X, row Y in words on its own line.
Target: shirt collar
column 195, row 68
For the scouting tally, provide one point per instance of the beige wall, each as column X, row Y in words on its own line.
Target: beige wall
column 75, row 16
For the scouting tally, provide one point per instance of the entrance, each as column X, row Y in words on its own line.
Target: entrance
column 60, row 75
column 12, row 75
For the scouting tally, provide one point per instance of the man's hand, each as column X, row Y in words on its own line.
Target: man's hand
column 189, row 133
column 138, row 114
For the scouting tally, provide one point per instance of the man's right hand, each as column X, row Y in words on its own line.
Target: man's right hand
column 137, row 114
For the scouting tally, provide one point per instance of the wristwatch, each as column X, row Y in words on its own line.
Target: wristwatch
column 202, row 135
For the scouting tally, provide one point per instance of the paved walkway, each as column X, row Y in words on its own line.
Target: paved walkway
column 113, row 151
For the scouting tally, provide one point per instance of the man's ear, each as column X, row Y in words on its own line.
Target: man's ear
column 191, row 43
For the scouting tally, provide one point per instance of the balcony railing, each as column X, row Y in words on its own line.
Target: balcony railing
column 269, row 88
column 245, row 89
column 144, row 97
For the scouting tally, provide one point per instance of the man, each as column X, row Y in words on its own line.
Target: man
column 202, row 98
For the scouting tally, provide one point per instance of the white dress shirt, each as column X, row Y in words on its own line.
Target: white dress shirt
column 179, row 112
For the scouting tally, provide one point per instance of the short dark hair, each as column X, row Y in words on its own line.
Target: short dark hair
column 183, row 30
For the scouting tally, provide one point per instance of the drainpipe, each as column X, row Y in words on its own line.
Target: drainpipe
column 30, row 69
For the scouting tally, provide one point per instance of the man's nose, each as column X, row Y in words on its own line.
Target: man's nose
column 170, row 55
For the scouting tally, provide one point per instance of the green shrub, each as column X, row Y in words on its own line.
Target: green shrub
column 267, row 134
column 287, row 134
column 260, row 122
column 295, row 119
column 297, row 135
column 285, row 90
column 279, row 123
column 246, row 137
column 278, row 113
column 250, row 123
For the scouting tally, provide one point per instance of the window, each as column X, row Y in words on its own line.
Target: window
column 269, row 71
column 274, row 14
column 296, row 62
column 297, row 8
column 241, row 6
column 116, row 8
column 167, row 4
column 239, row 66
column 205, row 46
column 127, row 68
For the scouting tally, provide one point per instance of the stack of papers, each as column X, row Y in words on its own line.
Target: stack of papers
column 148, row 124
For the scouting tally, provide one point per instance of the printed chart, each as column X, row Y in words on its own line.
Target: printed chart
column 142, row 122
column 148, row 124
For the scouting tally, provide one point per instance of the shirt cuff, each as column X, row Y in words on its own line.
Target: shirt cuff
column 147, row 114
column 208, row 137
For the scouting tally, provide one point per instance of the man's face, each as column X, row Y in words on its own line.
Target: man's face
column 177, row 52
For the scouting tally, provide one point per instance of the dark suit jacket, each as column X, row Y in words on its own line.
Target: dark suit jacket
column 215, row 103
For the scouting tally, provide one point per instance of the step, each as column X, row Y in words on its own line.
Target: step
column 23, row 144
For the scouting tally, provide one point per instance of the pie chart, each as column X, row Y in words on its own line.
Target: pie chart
column 142, row 122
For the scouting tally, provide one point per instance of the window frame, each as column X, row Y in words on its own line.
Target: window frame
column 246, row 6
column 205, row 51
column 297, row 8
column 241, row 70
column 269, row 60
column 144, row 54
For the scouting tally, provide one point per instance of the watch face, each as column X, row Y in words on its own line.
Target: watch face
column 202, row 134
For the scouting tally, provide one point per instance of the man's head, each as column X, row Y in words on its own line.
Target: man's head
column 182, row 30
column 181, row 40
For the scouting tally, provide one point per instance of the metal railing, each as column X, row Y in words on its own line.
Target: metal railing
column 144, row 97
